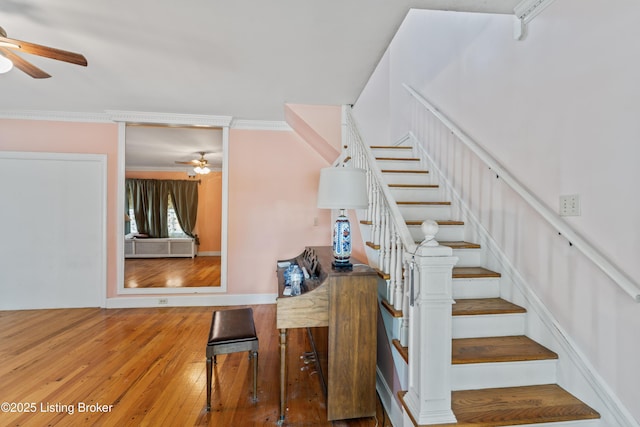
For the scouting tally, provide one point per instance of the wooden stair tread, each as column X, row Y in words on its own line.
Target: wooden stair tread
column 404, row 351
column 392, row 147
column 518, row 405
column 482, row 306
column 413, row 186
column 404, row 159
column 473, row 272
column 387, row 305
column 498, row 349
column 509, row 406
column 439, row 221
column 461, row 245
column 425, row 203
column 416, row 171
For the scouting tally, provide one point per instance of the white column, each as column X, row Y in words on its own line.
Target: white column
column 429, row 395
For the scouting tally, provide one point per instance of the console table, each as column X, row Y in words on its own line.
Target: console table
column 339, row 308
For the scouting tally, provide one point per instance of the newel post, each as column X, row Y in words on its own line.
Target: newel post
column 428, row 398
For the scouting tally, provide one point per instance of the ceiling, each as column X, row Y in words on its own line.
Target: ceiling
column 151, row 147
column 241, row 58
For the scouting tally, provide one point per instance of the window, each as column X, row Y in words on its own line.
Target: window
column 172, row 221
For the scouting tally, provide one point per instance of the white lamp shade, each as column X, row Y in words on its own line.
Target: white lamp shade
column 342, row 188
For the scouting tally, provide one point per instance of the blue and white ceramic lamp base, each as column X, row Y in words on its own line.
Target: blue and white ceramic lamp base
column 342, row 243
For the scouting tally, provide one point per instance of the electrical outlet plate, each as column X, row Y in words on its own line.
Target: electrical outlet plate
column 570, row 205
column 163, row 301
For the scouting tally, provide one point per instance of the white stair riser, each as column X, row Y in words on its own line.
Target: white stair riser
column 399, row 165
column 416, row 194
column 446, row 233
column 401, row 367
column 391, row 324
column 476, row 288
column 475, row 376
column 489, row 325
column 393, row 152
column 407, row 178
column 372, row 256
column 466, row 257
column 420, row 213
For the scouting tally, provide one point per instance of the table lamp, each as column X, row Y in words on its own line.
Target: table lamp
column 342, row 188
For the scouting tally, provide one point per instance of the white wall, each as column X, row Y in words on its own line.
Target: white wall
column 559, row 111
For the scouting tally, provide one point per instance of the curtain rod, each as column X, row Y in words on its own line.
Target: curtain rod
column 157, row 179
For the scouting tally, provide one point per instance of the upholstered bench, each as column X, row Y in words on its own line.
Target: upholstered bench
column 232, row 331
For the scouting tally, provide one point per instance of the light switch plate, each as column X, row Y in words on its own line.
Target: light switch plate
column 570, row 205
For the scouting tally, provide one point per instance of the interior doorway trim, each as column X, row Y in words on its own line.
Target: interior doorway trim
column 132, row 117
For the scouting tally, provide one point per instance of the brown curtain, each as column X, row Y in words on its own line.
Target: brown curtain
column 184, row 196
column 150, row 200
column 139, row 202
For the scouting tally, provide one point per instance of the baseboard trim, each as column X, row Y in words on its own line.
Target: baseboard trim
column 190, row 300
column 209, row 253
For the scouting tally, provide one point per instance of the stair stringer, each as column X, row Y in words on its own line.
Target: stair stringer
column 575, row 372
column 399, row 371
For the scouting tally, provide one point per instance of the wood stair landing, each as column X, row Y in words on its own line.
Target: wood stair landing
column 510, row 406
column 498, row 349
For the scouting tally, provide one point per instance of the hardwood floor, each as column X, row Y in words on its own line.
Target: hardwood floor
column 146, row 367
column 172, row 272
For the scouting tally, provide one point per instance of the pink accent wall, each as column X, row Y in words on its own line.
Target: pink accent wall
column 65, row 137
column 273, row 180
column 273, row 183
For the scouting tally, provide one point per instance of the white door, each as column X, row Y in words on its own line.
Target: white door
column 52, row 230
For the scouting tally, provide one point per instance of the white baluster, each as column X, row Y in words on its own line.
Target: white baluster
column 393, row 253
column 382, row 252
column 370, row 186
column 404, row 325
column 400, row 280
column 378, row 218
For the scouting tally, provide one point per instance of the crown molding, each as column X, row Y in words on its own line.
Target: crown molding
column 56, row 116
column 274, row 125
column 169, row 118
column 110, row 116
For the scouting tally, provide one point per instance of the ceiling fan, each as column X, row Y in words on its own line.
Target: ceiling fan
column 8, row 45
column 200, row 166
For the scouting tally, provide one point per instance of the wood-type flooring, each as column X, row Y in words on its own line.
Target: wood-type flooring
column 200, row 271
column 146, row 367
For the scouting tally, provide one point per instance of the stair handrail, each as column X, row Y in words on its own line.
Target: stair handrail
column 401, row 226
column 592, row 253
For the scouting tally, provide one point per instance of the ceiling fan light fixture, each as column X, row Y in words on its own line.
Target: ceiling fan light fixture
column 5, row 65
column 201, row 170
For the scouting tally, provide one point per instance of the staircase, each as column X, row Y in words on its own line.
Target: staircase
column 499, row 376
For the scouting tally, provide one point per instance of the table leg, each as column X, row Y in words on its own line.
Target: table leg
column 283, row 373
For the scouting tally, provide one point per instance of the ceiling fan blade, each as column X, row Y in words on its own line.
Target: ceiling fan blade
column 23, row 65
column 47, row 52
column 191, row 163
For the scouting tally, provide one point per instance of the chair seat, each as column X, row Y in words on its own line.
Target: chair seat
column 232, row 326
